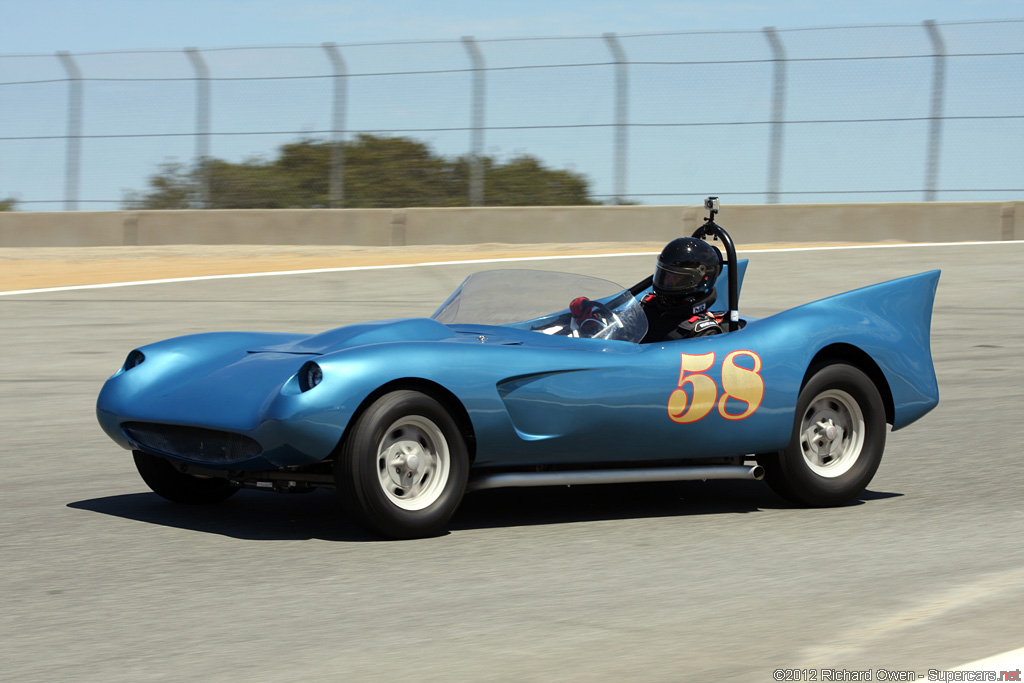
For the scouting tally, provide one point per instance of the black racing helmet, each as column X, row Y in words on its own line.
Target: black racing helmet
column 687, row 266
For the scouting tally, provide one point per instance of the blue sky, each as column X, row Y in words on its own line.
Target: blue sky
column 131, row 128
column 33, row 26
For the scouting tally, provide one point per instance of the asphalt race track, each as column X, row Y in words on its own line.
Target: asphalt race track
column 101, row 580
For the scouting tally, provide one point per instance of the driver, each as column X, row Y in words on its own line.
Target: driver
column 684, row 289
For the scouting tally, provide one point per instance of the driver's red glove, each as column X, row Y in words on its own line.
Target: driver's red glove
column 582, row 309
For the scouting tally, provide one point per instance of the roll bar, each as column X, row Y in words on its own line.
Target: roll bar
column 717, row 232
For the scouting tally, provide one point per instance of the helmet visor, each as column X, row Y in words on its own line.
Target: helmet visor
column 678, row 279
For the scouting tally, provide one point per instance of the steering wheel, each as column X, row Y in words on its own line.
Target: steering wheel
column 598, row 323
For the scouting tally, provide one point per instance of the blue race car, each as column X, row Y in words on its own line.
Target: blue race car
column 402, row 417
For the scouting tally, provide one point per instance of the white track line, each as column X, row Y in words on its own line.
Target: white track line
column 1007, row 661
column 937, row 606
column 345, row 269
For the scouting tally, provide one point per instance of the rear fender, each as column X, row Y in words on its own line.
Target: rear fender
column 891, row 323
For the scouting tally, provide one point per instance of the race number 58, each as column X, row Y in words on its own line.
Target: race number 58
column 697, row 393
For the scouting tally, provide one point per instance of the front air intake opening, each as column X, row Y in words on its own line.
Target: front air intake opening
column 192, row 443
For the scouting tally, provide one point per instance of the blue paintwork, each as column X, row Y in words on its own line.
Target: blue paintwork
column 531, row 398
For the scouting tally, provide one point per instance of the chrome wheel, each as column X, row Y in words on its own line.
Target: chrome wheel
column 413, row 462
column 832, row 433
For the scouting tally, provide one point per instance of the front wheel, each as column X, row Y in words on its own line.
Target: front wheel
column 837, row 442
column 403, row 468
column 167, row 482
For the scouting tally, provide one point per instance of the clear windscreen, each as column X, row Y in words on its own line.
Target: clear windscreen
column 540, row 301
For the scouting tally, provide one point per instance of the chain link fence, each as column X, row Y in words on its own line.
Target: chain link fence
column 837, row 114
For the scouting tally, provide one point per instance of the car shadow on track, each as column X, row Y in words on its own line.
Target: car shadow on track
column 569, row 504
column 248, row 515
column 258, row 516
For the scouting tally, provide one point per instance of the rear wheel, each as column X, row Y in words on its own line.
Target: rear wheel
column 403, row 468
column 837, row 442
column 167, row 482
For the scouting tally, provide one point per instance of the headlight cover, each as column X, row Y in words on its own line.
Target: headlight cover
column 310, row 375
column 134, row 359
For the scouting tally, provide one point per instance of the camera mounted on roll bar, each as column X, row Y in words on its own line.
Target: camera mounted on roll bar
column 711, row 204
column 717, row 232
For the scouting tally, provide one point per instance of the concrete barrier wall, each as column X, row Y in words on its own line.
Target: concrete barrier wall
column 749, row 224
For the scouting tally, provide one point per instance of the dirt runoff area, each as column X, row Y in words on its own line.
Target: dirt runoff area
column 24, row 268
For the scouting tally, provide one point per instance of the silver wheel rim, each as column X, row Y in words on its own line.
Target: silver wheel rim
column 832, row 433
column 413, row 462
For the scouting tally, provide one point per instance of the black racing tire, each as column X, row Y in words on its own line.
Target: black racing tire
column 837, row 441
column 166, row 481
column 403, row 467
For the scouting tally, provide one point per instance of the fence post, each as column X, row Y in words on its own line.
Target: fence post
column 336, row 182
column 621, row 114
column 931, row 177
column 72, row 167
column 476, row 143
column 202, row 124
column 778, row 114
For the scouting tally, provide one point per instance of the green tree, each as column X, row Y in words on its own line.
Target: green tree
column 379, row 172
column 173, row 187
column 394, row 172
column 524, row 181
column 7, row 204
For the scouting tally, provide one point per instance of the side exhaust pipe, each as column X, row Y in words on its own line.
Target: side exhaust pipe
column 625, row 476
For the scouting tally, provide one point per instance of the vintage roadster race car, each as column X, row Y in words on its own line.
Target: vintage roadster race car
column 402, row 417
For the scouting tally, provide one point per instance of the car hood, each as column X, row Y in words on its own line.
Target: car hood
column 361, row 334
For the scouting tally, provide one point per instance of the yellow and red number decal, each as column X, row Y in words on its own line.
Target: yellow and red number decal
column 697, row 393
column 684, row 409
column 741, row 384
